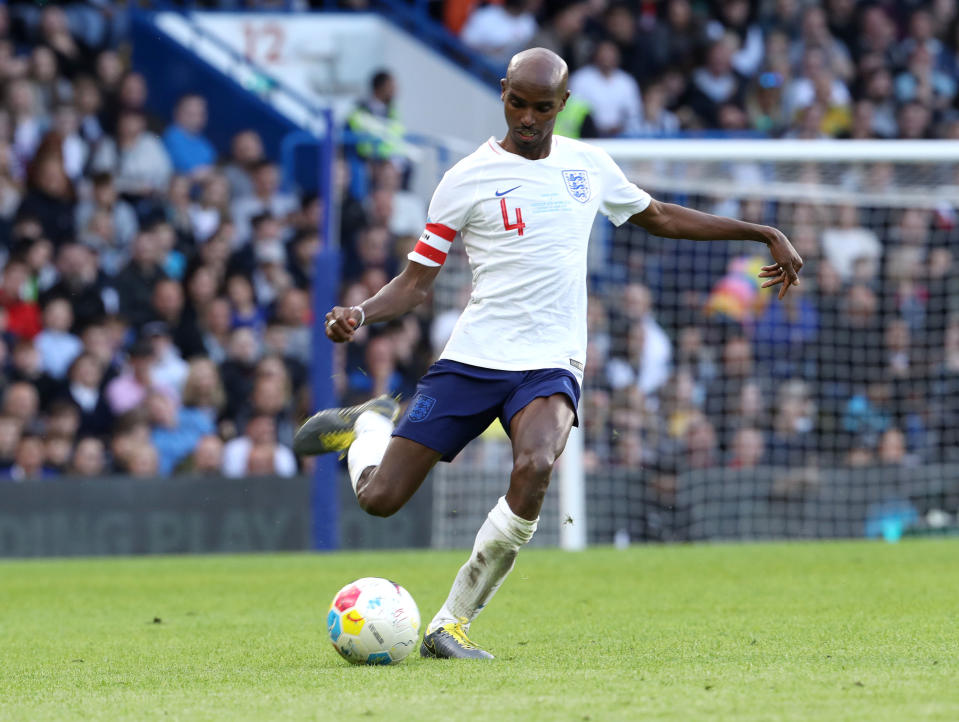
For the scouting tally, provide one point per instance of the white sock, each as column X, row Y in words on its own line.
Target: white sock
column 373, row 432
column 494, row 553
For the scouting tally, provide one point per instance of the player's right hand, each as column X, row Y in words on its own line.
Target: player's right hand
column 341, row 323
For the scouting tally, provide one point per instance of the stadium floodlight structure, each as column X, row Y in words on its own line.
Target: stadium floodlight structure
column 710, row 411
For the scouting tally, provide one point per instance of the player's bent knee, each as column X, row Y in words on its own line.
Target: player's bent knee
column 377, row 503
column 536, row 465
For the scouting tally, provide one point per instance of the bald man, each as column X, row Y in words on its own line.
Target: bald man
column 523, row 207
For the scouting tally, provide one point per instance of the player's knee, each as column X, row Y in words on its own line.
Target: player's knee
column 377, row 504
column 375, row 499
column 535, row 466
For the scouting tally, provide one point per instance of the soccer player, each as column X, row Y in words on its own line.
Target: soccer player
column 523, row 206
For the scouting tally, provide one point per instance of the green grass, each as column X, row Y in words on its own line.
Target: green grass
column 824, row 631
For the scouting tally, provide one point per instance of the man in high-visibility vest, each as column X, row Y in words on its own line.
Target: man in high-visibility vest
column 375, row 120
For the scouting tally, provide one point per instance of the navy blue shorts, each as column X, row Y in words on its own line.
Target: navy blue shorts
column 456, row 402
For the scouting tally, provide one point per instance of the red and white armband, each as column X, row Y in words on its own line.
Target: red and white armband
column 433, row 246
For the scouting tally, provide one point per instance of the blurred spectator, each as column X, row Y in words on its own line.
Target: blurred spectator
column 22, row 312
column 737, row 21
column 765, row 105
column 563, row 26
column 175, row 431
column 784, row 335
column 135, row 282
column 89, row 458
column 169, row 307
column 84, row 384
column 27, row 366
column 207, row 457
column 50, row 196
column 143, row 460
column 847, row 241
column 137, row 159
column 28, row 461
column 215, row 326
column 377, row 124
column 246, row 152
column 129, row 390
column 10, row 430
column 212, row 209
column 56, row 345
column 646, row 361
column 922, row 81
column 656, row 119
column 671, row 42
column 792, row 441
column 815, row 33
column 266, row 198
column 57, row 450
column 715, row 84
column 500, row 30
column 612, row 94
column 190, row 151
column 169, row 370
column 80, row 285
column 105, row 198
column 748, row 449
column 260, row 433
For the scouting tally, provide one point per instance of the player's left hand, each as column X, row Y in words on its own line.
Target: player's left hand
column 785, row 270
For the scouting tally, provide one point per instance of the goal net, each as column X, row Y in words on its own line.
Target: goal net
column 710, row 409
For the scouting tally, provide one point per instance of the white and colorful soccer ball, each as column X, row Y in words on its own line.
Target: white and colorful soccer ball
column 373, row 621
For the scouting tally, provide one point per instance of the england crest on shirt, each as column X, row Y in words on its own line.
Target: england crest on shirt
column 577, row 183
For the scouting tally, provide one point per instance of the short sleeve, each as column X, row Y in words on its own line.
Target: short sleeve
column 621, row 198
column 448, row 214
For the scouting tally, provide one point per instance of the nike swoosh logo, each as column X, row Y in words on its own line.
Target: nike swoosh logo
column 498, row 194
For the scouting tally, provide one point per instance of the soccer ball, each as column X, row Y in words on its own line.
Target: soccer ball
column 373, row 621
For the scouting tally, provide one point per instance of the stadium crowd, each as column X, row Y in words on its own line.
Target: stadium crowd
column 156, row 296
column 838, row 68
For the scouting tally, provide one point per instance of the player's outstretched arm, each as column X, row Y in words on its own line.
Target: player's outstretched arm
column 404, row 293
column 672, row 221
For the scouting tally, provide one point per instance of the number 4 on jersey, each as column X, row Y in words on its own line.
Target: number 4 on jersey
column 519, row 225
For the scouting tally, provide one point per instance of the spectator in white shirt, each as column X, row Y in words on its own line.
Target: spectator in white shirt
column 612, row 93
column 57, row 346
column 499, row 31
column 260, row 431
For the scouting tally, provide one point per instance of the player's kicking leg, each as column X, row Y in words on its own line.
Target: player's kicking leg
column 539, row 432
column 385, row 472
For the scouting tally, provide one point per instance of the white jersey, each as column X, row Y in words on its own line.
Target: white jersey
column 525, row 225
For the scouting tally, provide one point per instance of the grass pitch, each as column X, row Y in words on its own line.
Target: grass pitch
column 813, row 631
